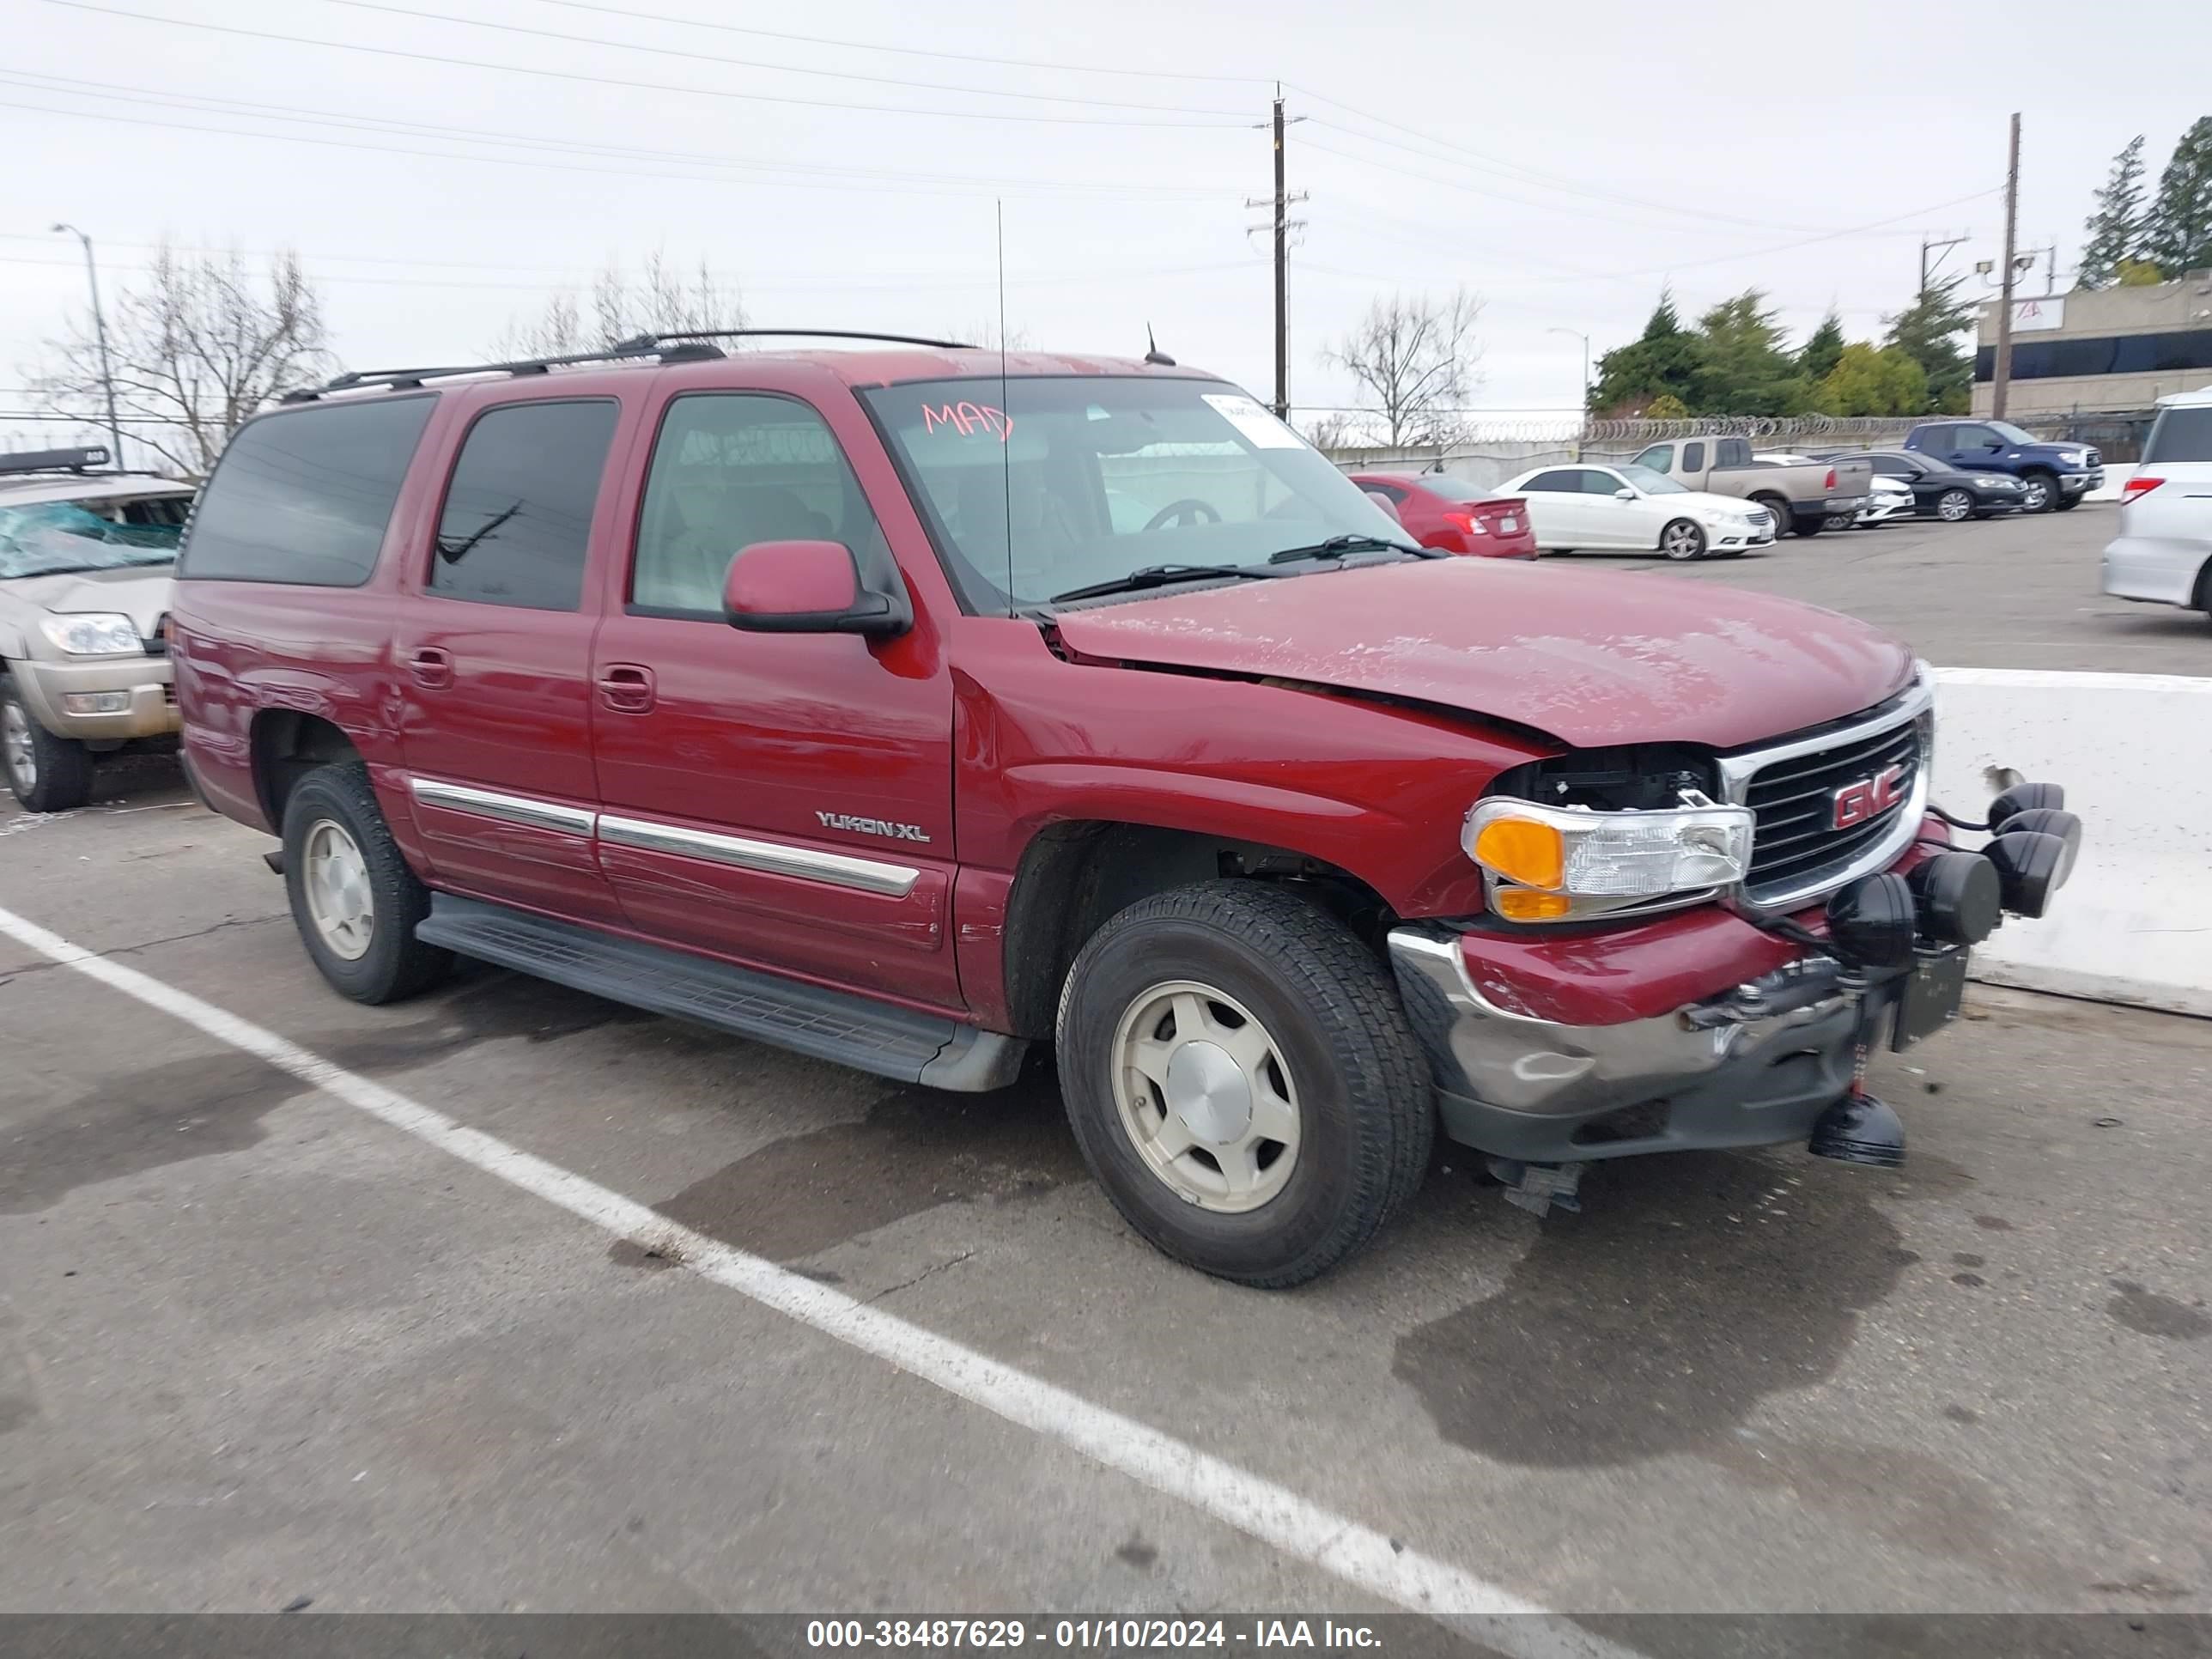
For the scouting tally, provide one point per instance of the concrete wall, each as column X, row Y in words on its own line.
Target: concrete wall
column 2135, row 924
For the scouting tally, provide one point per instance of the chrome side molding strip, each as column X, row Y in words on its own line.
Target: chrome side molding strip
column 863, row 875
column 836, row 869
column 511, row 809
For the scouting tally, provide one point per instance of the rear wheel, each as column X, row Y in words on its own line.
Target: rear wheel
column 2037, row 492
column 1682, row 540
column 1953, row 505
column 354, row 900
column 46, row 773
column 1243, row 1082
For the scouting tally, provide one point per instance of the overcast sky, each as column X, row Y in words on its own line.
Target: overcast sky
column 1560, row 161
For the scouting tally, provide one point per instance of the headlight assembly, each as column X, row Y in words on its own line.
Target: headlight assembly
column 92, row 634
column 1554, row 864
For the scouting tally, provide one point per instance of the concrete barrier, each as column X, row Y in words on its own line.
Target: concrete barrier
column 2134, row 753
column 2116, row 478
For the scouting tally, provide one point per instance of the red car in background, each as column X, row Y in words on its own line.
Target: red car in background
column 1451, row 514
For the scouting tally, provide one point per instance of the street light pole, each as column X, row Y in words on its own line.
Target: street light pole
column 99, row 333
column 1578, row 334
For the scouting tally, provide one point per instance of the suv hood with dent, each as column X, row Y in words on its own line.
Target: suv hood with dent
column 1591, row 657
column 143, row 595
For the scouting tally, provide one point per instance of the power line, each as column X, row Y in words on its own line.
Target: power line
column 631, row 15
column 779, row 69
column 192, row 104
column 617, row 81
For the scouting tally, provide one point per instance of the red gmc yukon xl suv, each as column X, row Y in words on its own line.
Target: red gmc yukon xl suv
column 910, row 706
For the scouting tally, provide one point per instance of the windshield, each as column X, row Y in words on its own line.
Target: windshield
column 2013, row 435
column 47, row 539
column 1651, row 482
column 1081, row 480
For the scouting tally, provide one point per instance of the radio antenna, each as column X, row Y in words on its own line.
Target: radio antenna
column 1005, row 414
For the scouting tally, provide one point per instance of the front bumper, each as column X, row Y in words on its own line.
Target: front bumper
column 134, row 697
column 2076, row 484
column 1745, row 1068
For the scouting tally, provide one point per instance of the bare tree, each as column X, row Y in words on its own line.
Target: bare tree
column 1413, row 360
column 198, row 345
column 985, row 333
column 1334, row 431
column 661, row 300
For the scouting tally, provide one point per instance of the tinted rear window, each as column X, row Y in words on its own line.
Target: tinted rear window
column 1459, row 489
column 517, row 523
column 2181, row 434
column 304, row 496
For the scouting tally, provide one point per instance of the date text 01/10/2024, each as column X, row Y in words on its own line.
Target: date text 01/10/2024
column 1088, row 1633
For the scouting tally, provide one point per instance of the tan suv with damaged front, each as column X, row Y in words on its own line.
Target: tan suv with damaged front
column 86, row 563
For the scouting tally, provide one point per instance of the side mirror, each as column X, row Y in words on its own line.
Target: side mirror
column 807, row 587
column 1623, row 494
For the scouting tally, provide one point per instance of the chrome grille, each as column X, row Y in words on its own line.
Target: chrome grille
column 1797, row 854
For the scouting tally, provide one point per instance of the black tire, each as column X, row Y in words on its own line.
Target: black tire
column 1954, row 506
column 1810, row 527
column 2063, row 502
column 1367, row 1121
column 2049, row 484
column 1776, row 509
column 396, row 963
column 1682, row 540
column 59, row 768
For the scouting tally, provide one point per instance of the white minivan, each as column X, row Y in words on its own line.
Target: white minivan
column 2164, row 550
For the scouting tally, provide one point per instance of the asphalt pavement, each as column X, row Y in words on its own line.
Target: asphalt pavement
column 2005, row 592
column 264, row 1336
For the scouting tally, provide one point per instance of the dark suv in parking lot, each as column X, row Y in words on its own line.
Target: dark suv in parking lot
column 2053, row 476
column 913, row 706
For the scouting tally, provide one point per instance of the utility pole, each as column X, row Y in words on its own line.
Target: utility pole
column 99, row 333
column 1939, row 244
column 2001, row 382
column 1281, row 225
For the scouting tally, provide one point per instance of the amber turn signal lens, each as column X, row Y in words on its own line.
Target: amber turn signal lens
column 1520, row 849
column 1526, row 904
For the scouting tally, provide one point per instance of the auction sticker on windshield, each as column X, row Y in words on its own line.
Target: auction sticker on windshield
column 1254, row 421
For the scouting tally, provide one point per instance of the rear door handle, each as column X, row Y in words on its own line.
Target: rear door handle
column 431, row 667
column 626, row 688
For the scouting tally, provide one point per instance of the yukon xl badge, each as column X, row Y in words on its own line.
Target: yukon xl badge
column 872, row 826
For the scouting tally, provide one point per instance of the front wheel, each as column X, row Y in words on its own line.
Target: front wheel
column 2037, row 492
column 354, row 900
column 46, row 773
column 1682, row 541
column 1241, row 1077
column 2063, row 502
column 1953, row 505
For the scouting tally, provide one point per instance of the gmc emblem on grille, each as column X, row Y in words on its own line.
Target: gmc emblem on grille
column 1869, row 797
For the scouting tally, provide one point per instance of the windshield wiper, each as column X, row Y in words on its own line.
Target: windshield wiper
column 1337, row 546
column 1158, row 576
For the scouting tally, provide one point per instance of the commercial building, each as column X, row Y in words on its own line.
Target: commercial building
column 2094, row 351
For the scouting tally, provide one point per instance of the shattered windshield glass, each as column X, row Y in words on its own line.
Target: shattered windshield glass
column 50, row 539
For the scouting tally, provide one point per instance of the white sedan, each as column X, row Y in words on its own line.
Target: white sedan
column 1634, row 509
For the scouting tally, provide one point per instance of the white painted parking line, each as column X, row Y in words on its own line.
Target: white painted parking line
column 1251, row 1504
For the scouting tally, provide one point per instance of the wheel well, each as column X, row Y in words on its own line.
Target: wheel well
column 1076, row 876
column 286, row 746
column 2204, row 599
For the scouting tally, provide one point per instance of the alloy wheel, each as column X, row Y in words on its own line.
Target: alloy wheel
column 1953, row 505
column 16, row 739
column 1206, row 1096
column 340, row 902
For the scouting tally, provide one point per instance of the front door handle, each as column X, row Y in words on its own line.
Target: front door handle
column 626, row 688
column 431, row 667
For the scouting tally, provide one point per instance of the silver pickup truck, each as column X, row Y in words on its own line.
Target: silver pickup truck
column 1803, row 497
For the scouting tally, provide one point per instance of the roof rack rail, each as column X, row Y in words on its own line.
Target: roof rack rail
column 409, row 380
column 648, row 341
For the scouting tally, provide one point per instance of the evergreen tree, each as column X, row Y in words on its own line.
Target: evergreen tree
column 1744, row 370
column 1661, row 361
column 1817, row 357
column 1928, row 330
column 2115, row 228
column 2180, row 235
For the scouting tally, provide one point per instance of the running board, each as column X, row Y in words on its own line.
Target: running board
column 808, row 1019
